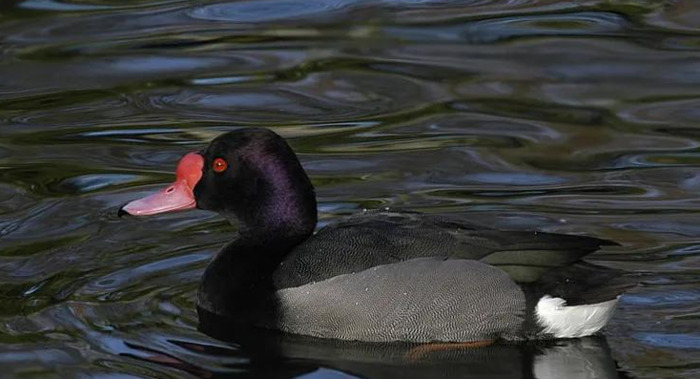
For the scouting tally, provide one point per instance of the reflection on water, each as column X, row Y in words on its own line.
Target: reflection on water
column 288, row 356
column 575, row 117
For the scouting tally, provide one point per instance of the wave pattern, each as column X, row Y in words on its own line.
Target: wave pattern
column 579, row 117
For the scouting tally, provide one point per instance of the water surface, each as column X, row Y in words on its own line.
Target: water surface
column 572, row 117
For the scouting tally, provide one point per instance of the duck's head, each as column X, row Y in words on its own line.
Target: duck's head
column 248, row 175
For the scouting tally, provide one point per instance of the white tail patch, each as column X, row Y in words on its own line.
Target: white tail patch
column 563, row 321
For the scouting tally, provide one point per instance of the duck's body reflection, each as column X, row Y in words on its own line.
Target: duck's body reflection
column 270, row 354
column 278, row 355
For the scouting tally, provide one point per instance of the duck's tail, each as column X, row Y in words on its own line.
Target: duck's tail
column 559, row 320
column 577, row 301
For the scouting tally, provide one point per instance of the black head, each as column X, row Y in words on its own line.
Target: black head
column 248, row 175
column 254, row 176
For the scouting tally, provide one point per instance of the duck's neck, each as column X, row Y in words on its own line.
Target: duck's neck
column 281, row 217
column 238, row 281
column 277, row 216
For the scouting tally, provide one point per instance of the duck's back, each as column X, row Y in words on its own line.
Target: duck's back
column 371, row 239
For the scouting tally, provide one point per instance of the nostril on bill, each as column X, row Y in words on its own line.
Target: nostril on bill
column 121, row 212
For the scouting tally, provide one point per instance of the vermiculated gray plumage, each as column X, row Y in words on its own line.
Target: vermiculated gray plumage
column 419, row 300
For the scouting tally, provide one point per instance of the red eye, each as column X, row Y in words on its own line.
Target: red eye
column 219, row 165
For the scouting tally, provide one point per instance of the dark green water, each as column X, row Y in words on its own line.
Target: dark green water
column 574, row 117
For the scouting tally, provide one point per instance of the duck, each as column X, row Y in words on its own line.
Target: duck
column 376, row 276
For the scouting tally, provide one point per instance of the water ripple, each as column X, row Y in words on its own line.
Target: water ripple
column 575, row 117
column 503, row 29
column 269, row 10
